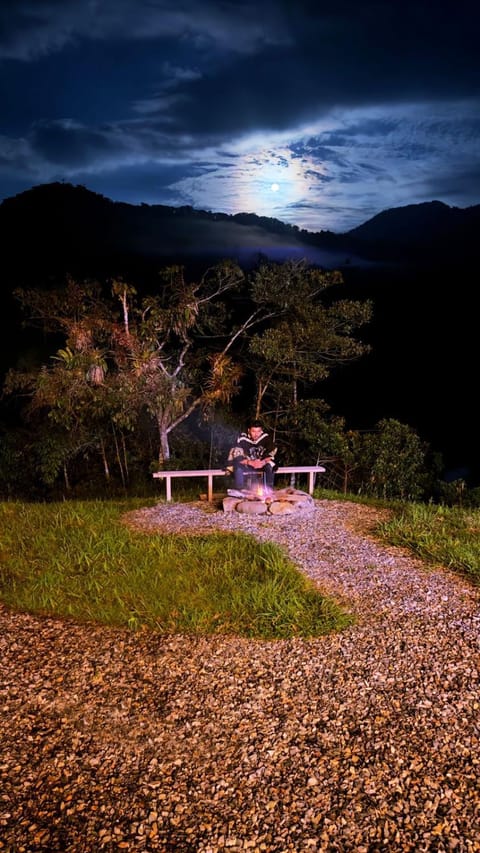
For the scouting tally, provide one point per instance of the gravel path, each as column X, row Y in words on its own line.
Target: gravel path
column 365, row 741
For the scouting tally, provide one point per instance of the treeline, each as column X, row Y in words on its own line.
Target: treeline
column 136, row 381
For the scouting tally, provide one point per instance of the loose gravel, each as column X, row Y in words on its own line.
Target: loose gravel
column 366, row 740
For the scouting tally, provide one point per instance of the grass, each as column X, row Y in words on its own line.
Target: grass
column 446, row 535
column 78, row 560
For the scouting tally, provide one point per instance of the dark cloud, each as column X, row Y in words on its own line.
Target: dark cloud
column 297, row 90
column 29, row 30
column 358, row 105
column 459, row 181
column 66, row 144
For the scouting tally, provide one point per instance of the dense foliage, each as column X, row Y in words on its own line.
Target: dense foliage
column 135, row 381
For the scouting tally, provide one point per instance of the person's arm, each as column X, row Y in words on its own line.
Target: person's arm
column 235, row 456
column 270, row 452
column 268, row 458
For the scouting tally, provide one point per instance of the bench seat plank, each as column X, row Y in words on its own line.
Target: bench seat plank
column 210, row 473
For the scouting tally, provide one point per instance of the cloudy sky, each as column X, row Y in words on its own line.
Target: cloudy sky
column 320, row 113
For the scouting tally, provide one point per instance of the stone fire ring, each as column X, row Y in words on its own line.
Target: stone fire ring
column 278, row 502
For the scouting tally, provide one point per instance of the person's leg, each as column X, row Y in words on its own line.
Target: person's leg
column 254, row 481
column 238, row 471
column 269, row 471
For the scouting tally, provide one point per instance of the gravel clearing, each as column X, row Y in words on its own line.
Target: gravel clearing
column 367, row 740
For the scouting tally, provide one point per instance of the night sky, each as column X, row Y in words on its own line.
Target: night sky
column 320, row 114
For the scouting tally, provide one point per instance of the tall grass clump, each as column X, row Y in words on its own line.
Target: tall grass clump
column 79, row 560
column 446, row 535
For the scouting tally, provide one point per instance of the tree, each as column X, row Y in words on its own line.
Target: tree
column 70, row 390
column 172, row 352
column 394, row 458
column 307, row 339
column 166, row 354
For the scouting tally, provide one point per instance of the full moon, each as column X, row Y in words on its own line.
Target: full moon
column 275, row 188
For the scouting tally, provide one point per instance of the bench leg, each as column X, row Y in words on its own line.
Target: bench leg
column 168, row 488
column 210, row 488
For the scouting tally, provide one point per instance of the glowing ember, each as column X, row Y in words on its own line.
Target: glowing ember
column 263, row 492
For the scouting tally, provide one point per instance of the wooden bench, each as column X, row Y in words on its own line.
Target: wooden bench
column 210, row 473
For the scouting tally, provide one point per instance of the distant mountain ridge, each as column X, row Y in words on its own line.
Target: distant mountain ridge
column 426, row 226
column 72, row 224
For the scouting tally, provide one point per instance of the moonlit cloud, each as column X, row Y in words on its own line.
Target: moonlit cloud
column 348, row 170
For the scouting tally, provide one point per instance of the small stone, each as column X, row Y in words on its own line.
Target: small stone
column 252, row 507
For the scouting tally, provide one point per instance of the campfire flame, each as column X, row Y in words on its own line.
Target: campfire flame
column 258, row 491
column 263, row 492
column 255, row 489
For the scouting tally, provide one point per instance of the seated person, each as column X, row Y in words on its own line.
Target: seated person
column 254, row 451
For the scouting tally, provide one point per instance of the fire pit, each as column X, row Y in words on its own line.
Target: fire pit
column 262, row 501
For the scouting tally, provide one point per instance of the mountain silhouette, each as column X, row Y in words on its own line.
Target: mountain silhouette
column 54, row 226
column 415, row 263
column 424, row 233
